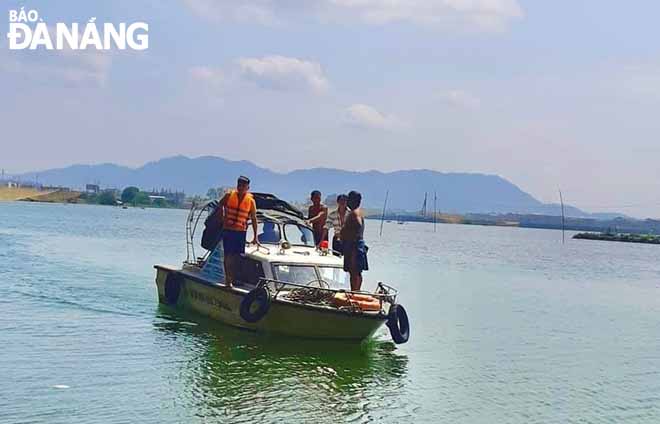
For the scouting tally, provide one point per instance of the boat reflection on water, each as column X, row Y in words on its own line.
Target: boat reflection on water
column 240, row 376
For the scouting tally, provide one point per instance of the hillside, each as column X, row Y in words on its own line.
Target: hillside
column 457, row 192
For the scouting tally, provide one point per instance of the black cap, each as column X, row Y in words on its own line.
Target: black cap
column 354, row 195
column 354, row 199
column 243, row 179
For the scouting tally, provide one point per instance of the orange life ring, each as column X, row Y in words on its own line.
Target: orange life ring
column 363, row 301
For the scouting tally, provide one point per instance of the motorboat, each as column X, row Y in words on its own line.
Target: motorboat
column 285, row 286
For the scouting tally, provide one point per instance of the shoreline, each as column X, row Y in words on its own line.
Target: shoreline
column 547, row 222
column 619, row 225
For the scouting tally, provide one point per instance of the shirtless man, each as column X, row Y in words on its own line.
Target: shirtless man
column 352, row 235
column 316, row 216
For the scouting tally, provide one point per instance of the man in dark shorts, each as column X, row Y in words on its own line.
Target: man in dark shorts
column 236, row 207
column 316, row 216
column 335, row 221
column 352, row 234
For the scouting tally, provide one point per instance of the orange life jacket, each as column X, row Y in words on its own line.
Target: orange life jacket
column 236, row 215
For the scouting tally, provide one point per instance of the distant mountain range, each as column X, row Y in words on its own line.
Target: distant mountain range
column 456, row 192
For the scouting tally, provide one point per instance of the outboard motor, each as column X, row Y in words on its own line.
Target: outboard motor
column 212, row 227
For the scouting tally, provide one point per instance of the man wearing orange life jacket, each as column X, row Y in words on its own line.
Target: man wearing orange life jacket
column 235, row 209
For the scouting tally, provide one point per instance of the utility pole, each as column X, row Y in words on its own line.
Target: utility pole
column 424, row 205
column 561, row 200
column 435, row 199
column 382, row 218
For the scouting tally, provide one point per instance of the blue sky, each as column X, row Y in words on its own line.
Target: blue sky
column 547, row 94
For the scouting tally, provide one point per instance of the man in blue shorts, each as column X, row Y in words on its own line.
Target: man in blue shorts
column 236, row 207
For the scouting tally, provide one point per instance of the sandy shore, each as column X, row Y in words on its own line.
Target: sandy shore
column 10, row 194
column 33, row 195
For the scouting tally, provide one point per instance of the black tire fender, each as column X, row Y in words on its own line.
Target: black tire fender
column 259, row 296
column 397, row 322
column 173, row 283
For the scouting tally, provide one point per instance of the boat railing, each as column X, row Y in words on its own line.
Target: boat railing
column 323, row 293
column 195, row 214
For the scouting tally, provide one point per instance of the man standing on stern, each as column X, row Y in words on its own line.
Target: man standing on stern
column 235, row 209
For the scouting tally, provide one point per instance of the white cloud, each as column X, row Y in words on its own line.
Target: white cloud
column 75, row 66
column 86, row 65
column 284, row 73
column 271, row 72
column 462, row 99
column 472, row 15
column 214, row 78
column 365, row 116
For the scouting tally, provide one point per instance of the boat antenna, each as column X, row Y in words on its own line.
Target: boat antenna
column 435, row 199
column 563, row 227
column 382, row 218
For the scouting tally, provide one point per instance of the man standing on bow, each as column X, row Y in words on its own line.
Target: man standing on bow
column 235, row 209
column 352, row 235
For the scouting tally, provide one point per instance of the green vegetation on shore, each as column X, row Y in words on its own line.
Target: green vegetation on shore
column 130, row 196
column 623, row 237
column 103, row 198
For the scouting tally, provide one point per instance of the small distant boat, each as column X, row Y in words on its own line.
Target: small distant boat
column 287, row 286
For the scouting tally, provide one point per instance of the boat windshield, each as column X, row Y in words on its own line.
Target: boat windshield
column 269, row 232
column 298, row 235
column 297, row 274
column 335, row 277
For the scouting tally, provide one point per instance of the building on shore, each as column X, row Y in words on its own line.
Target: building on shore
column 92, row 189
column 175, row 198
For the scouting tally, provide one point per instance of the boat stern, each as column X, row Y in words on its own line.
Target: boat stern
column 162, row 272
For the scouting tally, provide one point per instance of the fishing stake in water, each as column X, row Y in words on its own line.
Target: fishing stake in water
column 435, row 199
column 561, row 200
column 382, row 218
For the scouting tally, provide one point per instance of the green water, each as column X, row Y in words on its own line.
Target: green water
column 508, row 326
